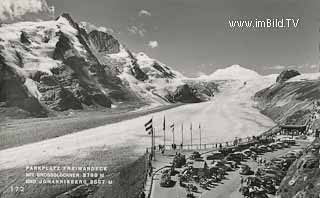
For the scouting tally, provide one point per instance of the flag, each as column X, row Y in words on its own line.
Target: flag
column 149, row 127
column 164, row 123
column 199, row 126
column 172, row 127
column 191, row 126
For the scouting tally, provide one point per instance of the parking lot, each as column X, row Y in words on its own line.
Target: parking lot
column 227, row 187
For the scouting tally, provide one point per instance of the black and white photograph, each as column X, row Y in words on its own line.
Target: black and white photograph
column 159, row 98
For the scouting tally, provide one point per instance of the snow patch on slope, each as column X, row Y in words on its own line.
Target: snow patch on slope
column 305, row 77
column 148, row 65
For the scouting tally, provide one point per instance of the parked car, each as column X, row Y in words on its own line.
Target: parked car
column 276, row 179
column 195, row 155
column 215, row 155
column 297, row 152
column 221, row 164
column 245, row 170
column 190, row 195
column 256, row 150
column 301, row 137
column 264, row 148
column 279, row 173
column 234, row 157
column 268, row 186
column 247, row 152
column 277, row 145
column 232, row 164
column 166, row 180
column 289, row 141
column 192, row 188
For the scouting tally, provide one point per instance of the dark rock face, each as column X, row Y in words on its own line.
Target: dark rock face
column 104, row 42
column 61, row 99
column 185, row 94
column 24, row 38
column 136, row 70
column 138, row 73
column 62, row 46
column 204, row 90
column 14, row 94
column 286, row 75
column 165, row 73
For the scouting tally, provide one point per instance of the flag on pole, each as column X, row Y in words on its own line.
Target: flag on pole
column 164, row 123
column 191, row 126
column 149, row 127
column 172, row 127
column 199, row 126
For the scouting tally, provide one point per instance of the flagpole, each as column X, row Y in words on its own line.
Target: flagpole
column 200, row 134
column 173, row 133
column 191, row 134
column 154, row 142
column 164, row 132
column 182, row 134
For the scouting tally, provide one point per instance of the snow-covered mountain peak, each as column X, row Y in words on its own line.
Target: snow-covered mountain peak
column 233, row 72
column 24, row 10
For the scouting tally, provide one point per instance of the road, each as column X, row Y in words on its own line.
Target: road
column 230, row 114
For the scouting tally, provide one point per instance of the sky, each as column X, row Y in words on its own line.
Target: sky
column 195, row 37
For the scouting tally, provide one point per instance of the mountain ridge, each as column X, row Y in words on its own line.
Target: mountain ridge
column 59, row 66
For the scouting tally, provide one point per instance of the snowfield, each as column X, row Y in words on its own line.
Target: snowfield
column 229, row 114
column 304, row 77
column 233, row 72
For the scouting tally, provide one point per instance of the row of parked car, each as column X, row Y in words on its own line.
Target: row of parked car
column 265, row 180
column 269, row 176
column 218, row 163
column 238, row 154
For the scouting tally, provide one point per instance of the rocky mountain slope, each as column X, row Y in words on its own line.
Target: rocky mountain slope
column 294, row 99
column 302, row 179
column 58, row 65
column 289, row 100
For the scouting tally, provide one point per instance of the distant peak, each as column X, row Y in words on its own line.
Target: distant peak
column 235, row 66
column 233, row 72
column 68, row 17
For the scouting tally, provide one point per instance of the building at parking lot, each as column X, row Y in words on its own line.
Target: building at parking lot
column 293, row 130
